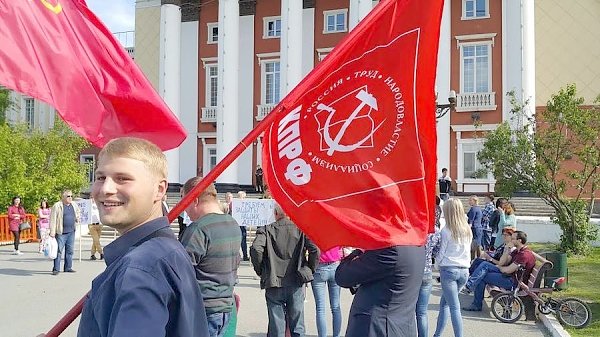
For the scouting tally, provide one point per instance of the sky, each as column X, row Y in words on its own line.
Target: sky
column 117, row 15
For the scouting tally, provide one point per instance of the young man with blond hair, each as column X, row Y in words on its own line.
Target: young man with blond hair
column 149, row 286
column 212, row 241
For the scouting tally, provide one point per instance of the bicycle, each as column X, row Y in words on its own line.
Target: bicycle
column 508, row 307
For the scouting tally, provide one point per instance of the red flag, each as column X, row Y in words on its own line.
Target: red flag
column 351, row 155
column 59, row 52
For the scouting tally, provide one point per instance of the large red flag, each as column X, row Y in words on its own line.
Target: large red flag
column 60, row 52
column 351, row 155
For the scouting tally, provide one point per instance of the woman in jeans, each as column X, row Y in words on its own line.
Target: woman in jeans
column 324, row 278
column 453, row 260
column 16, row 215
column 431, row 248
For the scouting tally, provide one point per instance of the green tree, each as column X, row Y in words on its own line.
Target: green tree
column 5, row 103
column 37, row 164
column 540, row 158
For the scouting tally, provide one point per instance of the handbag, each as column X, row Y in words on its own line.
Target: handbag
column 51, row 248
column 24, row 225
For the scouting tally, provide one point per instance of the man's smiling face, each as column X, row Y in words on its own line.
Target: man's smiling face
column 127, row 192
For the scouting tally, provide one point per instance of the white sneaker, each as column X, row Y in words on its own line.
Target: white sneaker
column 15, row 252
column 19, row 253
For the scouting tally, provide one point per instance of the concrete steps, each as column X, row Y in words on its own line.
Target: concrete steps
column 524, row 206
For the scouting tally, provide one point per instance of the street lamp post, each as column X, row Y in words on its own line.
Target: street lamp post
column 442, row 109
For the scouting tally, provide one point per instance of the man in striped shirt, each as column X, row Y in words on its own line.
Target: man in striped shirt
column 213, row 241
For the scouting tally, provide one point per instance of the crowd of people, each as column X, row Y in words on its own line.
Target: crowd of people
column 58, row 222
column 186, row 286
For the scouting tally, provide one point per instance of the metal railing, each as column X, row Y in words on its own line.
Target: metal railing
column 476, row 101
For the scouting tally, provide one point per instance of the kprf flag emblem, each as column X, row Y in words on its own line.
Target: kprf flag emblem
column 351, row 154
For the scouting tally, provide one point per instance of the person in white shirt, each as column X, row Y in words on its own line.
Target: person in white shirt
column 454, row 258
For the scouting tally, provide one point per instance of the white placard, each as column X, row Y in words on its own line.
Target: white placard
column 85, row 206
column 253, row 212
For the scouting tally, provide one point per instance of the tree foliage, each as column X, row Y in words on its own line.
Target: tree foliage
column 5, row 103
column 560, row 152
column 37, row 164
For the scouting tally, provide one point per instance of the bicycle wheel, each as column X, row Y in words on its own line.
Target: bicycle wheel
column 574, row 313
column 507, row 308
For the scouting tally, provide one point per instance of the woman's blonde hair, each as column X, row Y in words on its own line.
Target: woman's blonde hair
column 475, row 199
column 508, row 208
column 456, row 220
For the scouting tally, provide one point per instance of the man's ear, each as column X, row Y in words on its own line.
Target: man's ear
column 162, row 189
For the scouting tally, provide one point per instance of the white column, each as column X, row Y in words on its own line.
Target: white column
column 246, row 95
column 443, row 89
column 358, row 10
column 512, row 58
column 189, row 99
column 169, row 70
column 528, row 75
column 308, row 40
column 227, row 97
column 259, row 151
column 291, row 49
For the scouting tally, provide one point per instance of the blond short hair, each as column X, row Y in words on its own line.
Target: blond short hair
column 210, row 193
column 138, row 149
column 475, row 199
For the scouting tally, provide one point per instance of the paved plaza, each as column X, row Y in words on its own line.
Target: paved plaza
column 33, row 300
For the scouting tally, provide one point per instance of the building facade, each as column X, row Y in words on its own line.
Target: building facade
column 27, row 110
column 238, row 59
column 223, row 65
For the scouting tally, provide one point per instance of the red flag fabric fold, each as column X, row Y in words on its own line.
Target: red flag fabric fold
column 59, row 52
column 351, row 155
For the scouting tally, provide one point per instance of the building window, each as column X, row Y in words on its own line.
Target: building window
column 30, row 113
column 472, row 169
column 213, row 33
column 336, row 21
column 475, row 9
column 210, row 158
column 271, row 82
column 89, row 161
column 271, row 27
column 212, row 72
column 476, row 68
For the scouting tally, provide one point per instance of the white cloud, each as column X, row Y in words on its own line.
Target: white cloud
column 117, row 15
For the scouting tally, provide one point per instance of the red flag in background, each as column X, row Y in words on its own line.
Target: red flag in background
column 351, row 156
column 59, row 52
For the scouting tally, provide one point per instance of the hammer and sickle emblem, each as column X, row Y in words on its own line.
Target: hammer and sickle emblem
column 54, row 8
column 366, row 99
